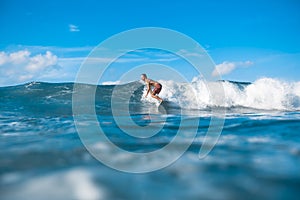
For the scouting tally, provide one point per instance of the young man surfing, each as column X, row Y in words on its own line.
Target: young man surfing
column 156, row 85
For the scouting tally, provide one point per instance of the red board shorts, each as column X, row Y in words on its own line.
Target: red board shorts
column 157, row 89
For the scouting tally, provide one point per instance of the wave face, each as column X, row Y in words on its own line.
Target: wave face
column 56, row 98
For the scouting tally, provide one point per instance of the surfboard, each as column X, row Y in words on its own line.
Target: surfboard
column 163, row 106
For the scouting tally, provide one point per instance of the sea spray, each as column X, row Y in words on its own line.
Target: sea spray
column 264, row 93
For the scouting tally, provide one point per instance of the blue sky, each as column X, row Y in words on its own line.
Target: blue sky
column 48, row 40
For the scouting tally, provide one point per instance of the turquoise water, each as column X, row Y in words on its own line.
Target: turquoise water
column 257, row 155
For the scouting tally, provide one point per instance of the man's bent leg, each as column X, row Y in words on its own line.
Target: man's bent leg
column 156, row 97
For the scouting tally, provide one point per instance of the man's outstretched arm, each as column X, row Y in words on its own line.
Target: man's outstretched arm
column 148, row 90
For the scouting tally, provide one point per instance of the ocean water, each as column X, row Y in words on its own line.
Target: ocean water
column 257, row 155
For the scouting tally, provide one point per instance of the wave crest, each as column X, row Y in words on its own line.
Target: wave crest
column 264, row 93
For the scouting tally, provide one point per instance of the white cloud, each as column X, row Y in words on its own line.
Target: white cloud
column 224, row 68
column 227, row 67
column 25, row 77
column 22, row 66
column 40, row 62
column 197, row 53
column 73, row 28
column 3, row 58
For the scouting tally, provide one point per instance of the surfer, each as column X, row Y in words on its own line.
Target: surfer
column 157, row 87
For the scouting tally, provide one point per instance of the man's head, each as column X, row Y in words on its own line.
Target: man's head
column 143, row 77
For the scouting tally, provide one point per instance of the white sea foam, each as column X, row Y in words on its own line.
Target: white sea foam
column 264, row 93
column 73, row 184
column 259, row 140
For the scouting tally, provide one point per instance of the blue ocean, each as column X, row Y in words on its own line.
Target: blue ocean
column 257, row 155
